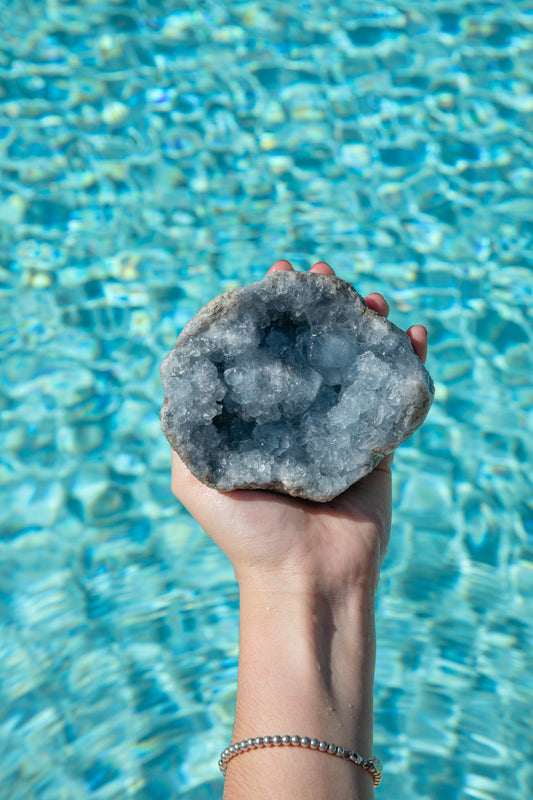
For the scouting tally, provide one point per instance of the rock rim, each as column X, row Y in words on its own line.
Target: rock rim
column 240, row 309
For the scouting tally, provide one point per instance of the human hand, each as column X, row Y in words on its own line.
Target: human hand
column 289, row 542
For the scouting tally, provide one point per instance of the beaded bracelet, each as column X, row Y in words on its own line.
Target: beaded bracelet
column 373, row 765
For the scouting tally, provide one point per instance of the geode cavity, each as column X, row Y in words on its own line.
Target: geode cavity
column 291, row 384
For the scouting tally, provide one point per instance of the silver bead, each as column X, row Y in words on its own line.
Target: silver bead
column 372, row 765
column 378, row 763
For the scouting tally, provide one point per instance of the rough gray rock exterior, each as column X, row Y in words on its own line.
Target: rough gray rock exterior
column 291, row 384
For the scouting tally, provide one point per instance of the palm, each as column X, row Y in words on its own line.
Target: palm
column 267, row 531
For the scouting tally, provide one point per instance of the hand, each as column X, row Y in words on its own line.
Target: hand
column 290, row 543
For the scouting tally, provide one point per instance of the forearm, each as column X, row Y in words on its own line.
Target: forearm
column 306, row 667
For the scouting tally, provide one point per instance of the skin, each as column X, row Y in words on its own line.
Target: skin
column 308, row 574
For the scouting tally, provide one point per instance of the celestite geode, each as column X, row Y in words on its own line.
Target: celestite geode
column 291, row 384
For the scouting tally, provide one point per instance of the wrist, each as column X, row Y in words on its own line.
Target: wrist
column 308, row 657
column 341, row 582
column 298, row 596
column 306, row 668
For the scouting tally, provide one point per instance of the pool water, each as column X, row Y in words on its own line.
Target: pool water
column 153, row 155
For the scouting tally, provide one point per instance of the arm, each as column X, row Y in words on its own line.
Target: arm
column 307, row 574
column 306, row 667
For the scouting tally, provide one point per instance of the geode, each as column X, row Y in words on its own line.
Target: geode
column 291, row 384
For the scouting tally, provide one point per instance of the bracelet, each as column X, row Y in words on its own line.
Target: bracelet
column 373, row 765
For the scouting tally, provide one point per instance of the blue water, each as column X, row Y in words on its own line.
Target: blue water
column 152, row 155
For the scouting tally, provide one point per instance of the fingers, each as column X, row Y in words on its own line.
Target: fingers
column 419, row 339
column 377, row 302
column 322, row 267
column 417, row 333
column 283, row 265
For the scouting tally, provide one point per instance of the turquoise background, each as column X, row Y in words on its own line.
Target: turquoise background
column 153, row 155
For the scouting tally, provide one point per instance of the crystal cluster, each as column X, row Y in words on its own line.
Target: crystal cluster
column 291, row 384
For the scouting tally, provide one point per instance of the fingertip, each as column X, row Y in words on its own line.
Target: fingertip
column 377, row 302
column 419, row 339
column 282, row 265
column 323, row 268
